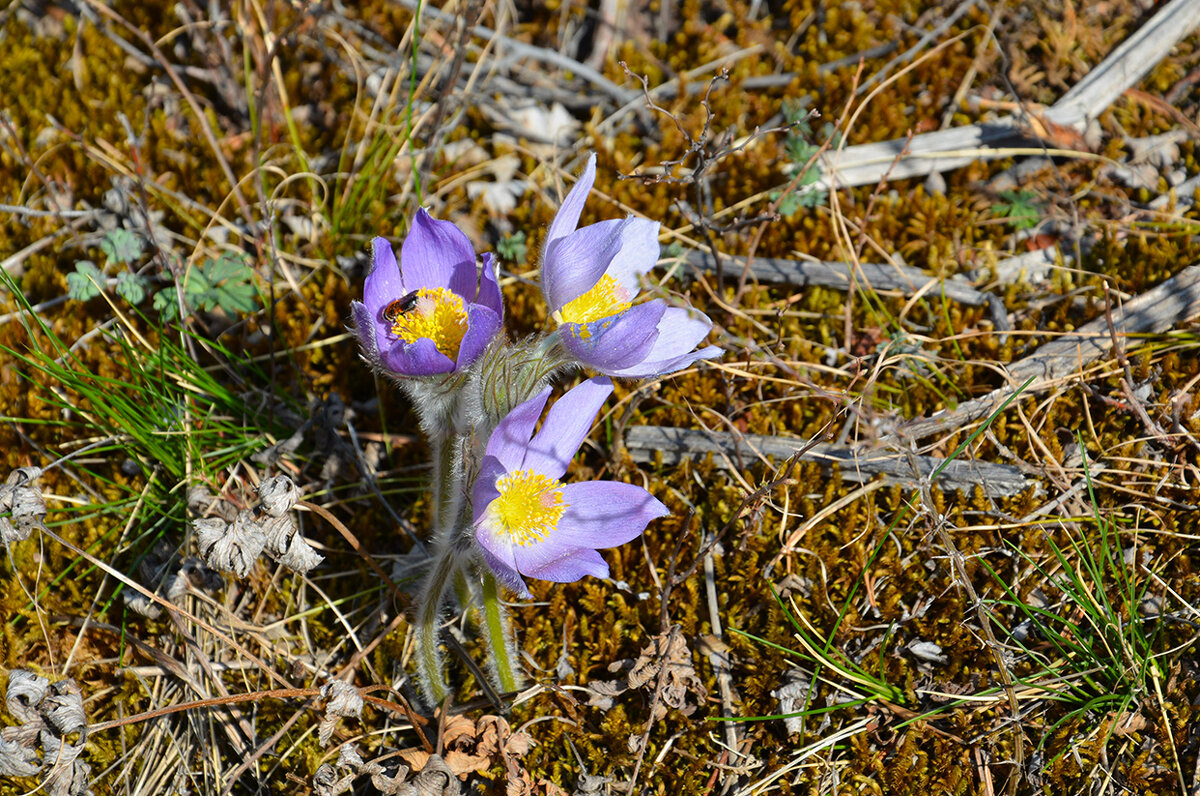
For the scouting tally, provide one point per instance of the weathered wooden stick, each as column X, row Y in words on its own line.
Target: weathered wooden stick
column 1158, row 309
column 854, row 464
column 902, row 278
column 866, row 164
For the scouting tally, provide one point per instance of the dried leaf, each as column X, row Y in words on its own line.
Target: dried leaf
column 65, row 774
column 22, row 497
column 455, row 730
column 435, row 779
column 236, row 547
column 300, row 556
column 327, row 783
column 926, row 651
column 18, row 756
column 279, row 532
column 63, row 708
column 141, row 604
column 668, row 658
column 348, row 757
column 591, row 785
column 342, row 700
column 26, row 691
column 794, row 696
column 278, row 495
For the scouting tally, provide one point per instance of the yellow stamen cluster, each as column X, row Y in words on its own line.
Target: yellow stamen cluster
column 606, row 299
column 529, row 506
column 439, row 314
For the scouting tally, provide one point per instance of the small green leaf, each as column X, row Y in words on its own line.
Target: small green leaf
column 512, row 247
column 121, row 246
column 226, row 282
column 167, row 304
column 789, row 205
column 86, row 282
column 1019, row 207
column 131, row 287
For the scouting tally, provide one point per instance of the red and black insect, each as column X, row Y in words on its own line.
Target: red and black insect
column 401, row 306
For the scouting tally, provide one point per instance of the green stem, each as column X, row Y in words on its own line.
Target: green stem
column 499, row 635
column 462, row 589
column 447, row 486
column 429, row 655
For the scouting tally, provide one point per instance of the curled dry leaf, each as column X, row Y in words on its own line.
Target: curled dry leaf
column 278, row 495
column 342, row 700
column 26, row 691
column 18, row 756
column 794, row 695
column 279, row 532
column 667, row 659
column 231, row 547
column 63, row 708
column 434, row 779
column 300, row 556
column 141, row 604
column 21, row 497
column 47, row 711
column 65, row 774
column 327, row 783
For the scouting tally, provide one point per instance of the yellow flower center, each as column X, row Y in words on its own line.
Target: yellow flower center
column 605, row 299
column 437, row 313
column 529, row 506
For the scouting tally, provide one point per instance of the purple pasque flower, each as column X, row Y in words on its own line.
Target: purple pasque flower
column 528, row 523
column 591, row 276
column 432, row 313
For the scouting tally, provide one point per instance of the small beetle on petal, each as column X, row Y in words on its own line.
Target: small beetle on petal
column 433, row 312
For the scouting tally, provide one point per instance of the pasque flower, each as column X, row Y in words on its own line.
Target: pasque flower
column 528, row 523
column 432, row 313
column 591, row 276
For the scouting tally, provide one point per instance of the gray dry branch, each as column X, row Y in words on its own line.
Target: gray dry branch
column 1171, row 303
column 857, row 464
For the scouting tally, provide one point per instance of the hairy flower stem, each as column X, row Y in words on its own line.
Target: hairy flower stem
column 429, row 602
column 499, row 636
column 447, row 483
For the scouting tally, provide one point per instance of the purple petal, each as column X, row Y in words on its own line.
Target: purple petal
column 617, row 343
column 384, row 283
column 638, row 255
column 567, row 217
column 484, row 491
column 509, row 441
column 437, row 254
column 489, row 287
column 560, row 565
column 482, row 325
column 680, row 330
column 504, row 568
column 566, row 424
column 366, row 329
column 605, row 514
column 574, row 263
column 421, row 358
